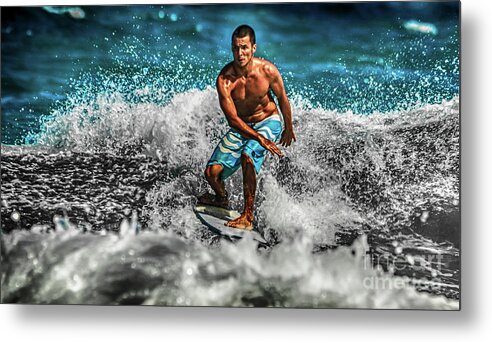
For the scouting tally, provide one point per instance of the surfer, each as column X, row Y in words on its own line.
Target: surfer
column 245, row 88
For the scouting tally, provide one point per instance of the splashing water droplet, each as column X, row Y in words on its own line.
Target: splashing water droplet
column 424, row 217
column 410, row 259
column 15, row 216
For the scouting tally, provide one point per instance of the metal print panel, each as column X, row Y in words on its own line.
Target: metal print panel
column 301, row 155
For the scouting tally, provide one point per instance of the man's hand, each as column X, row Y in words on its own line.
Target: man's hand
column 270, row 146
column 287, row 137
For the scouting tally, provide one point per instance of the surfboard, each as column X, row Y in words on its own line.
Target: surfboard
column 214, row 218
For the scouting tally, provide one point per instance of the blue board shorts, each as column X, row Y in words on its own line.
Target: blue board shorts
column 232, row 145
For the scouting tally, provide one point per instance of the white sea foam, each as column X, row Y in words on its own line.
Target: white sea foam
column 161, row 268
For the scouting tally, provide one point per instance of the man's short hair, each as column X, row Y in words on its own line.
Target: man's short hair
column 243, row 31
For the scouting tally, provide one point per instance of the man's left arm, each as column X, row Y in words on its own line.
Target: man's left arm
column 277, row 86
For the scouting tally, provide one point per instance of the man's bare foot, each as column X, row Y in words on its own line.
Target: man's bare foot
column 242, row 222
column 216, row 201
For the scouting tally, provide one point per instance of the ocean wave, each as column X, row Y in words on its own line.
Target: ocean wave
column 402, row 161
column 393, row 176
column 160, row 268
column 110, row 121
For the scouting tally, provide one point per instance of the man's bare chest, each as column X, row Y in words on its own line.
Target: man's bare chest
column 251, row 89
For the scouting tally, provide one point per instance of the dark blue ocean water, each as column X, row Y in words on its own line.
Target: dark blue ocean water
column 109, row 115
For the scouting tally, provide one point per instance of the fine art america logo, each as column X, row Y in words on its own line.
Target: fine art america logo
column 400, row 264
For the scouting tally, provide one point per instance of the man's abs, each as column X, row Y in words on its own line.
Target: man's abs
column 257, row 113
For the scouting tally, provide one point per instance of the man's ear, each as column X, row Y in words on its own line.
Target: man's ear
column 254, row 48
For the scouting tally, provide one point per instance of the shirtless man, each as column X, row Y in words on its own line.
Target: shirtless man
column 244, row 94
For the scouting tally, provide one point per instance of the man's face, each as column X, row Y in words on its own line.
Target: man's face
column 242, row 50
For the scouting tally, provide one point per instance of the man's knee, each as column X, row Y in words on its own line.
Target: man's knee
column 213, row 171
